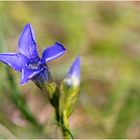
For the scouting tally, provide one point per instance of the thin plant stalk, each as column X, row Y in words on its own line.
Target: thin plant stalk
column 20, row 101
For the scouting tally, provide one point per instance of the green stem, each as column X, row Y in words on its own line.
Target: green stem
column 65, row 125
column 51, row 90
column 62, row 121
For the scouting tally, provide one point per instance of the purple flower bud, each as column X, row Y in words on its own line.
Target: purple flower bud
column 73, row 75
column 70, row 87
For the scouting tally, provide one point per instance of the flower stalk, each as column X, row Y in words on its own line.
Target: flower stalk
column 65, row 125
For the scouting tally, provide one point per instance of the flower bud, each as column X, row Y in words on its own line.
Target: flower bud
column 70, row 88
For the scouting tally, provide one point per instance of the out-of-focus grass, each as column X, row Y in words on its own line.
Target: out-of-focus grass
column 107, row 37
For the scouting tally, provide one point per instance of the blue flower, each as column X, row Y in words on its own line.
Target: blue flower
column 26, row 59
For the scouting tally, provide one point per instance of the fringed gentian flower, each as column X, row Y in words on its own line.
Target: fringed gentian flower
column 27, row 61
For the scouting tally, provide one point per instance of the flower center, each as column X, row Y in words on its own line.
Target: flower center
column 33, row 65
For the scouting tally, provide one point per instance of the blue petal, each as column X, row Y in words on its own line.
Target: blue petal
column 28, row 74
column 74, row 70
column 53, row 52
column 16, row 61
column 27, row 42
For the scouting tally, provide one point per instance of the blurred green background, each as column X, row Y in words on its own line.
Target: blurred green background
column 107, row 37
